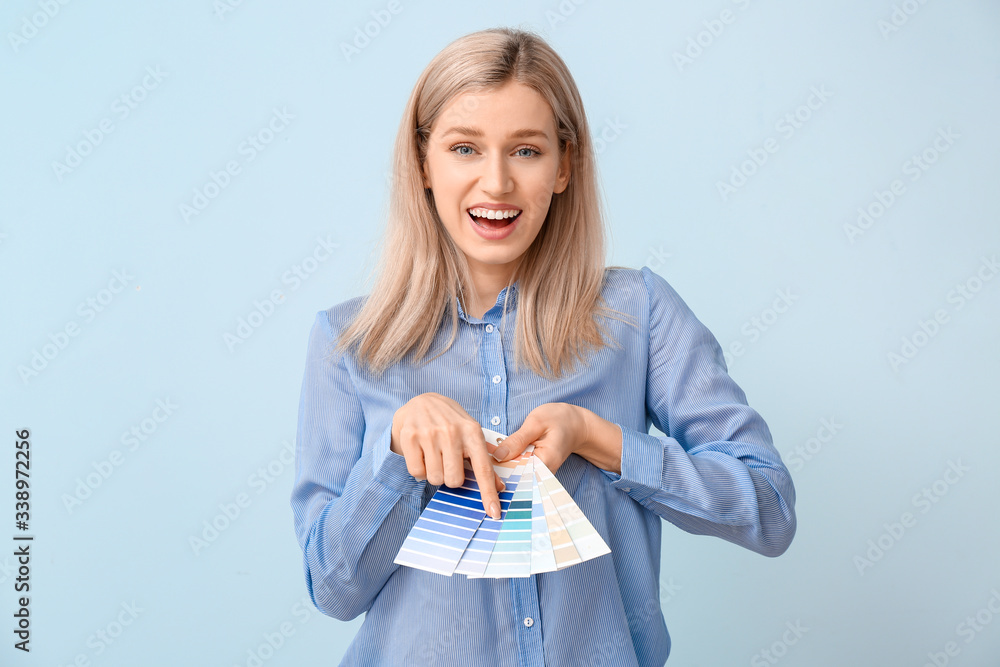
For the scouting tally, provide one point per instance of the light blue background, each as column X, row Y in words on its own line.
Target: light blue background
column 682, row 129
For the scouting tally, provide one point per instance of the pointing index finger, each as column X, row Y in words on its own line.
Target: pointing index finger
column 482, row 466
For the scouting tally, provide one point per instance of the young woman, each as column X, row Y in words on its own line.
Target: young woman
column 493, row 308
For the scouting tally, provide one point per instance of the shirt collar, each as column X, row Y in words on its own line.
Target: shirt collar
column 497, row 308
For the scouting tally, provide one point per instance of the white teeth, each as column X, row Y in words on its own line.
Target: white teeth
column 493, row 215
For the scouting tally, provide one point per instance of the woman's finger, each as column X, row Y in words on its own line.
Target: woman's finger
column 453, row 464
column 414, row 456
column 432, row 462
column 482, row 467
column 501, row 485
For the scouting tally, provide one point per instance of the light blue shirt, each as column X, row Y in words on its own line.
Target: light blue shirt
column 716, row 472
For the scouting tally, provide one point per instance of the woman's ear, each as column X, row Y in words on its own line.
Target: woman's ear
column 563, row 175
column 423, row 173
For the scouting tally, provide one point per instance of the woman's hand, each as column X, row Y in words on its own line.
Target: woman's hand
column 560, row 429
column 435, row 435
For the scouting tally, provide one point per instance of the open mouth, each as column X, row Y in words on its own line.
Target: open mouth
column 493, row 223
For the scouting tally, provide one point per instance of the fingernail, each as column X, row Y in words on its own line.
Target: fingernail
column 501, row 452
column 495, row 510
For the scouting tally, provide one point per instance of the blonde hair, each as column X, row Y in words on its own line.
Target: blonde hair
column 422, row 272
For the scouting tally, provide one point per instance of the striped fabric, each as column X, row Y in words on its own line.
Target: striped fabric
column 716, row 473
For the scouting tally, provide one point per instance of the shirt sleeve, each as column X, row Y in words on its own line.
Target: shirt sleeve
column 353, row 506
column 716, row 472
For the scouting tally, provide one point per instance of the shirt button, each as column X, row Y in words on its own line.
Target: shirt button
column 496, row 379
column 626, row 489
column 495, row 421
column 528, row 622
column 489, row 328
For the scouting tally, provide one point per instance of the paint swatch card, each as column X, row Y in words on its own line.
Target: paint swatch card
column 540, row 529
column 477, row 554
column 443, row 531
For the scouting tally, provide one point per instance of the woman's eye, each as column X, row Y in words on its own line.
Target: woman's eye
column 532, row 151
column 459, row 149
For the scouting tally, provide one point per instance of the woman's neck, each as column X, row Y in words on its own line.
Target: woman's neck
column 487, row 287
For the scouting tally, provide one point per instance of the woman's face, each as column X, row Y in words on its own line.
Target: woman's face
column 494, row 148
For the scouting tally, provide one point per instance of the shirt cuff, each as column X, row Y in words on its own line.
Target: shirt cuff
column 389, row 468
column 641, row 466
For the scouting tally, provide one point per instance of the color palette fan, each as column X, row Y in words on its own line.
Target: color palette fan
column 540, row 528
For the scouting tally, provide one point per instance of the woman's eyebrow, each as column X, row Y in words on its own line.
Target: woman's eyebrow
column 476, row 132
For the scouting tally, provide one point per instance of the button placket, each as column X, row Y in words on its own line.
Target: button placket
column 495, row 408
column 524, row 590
